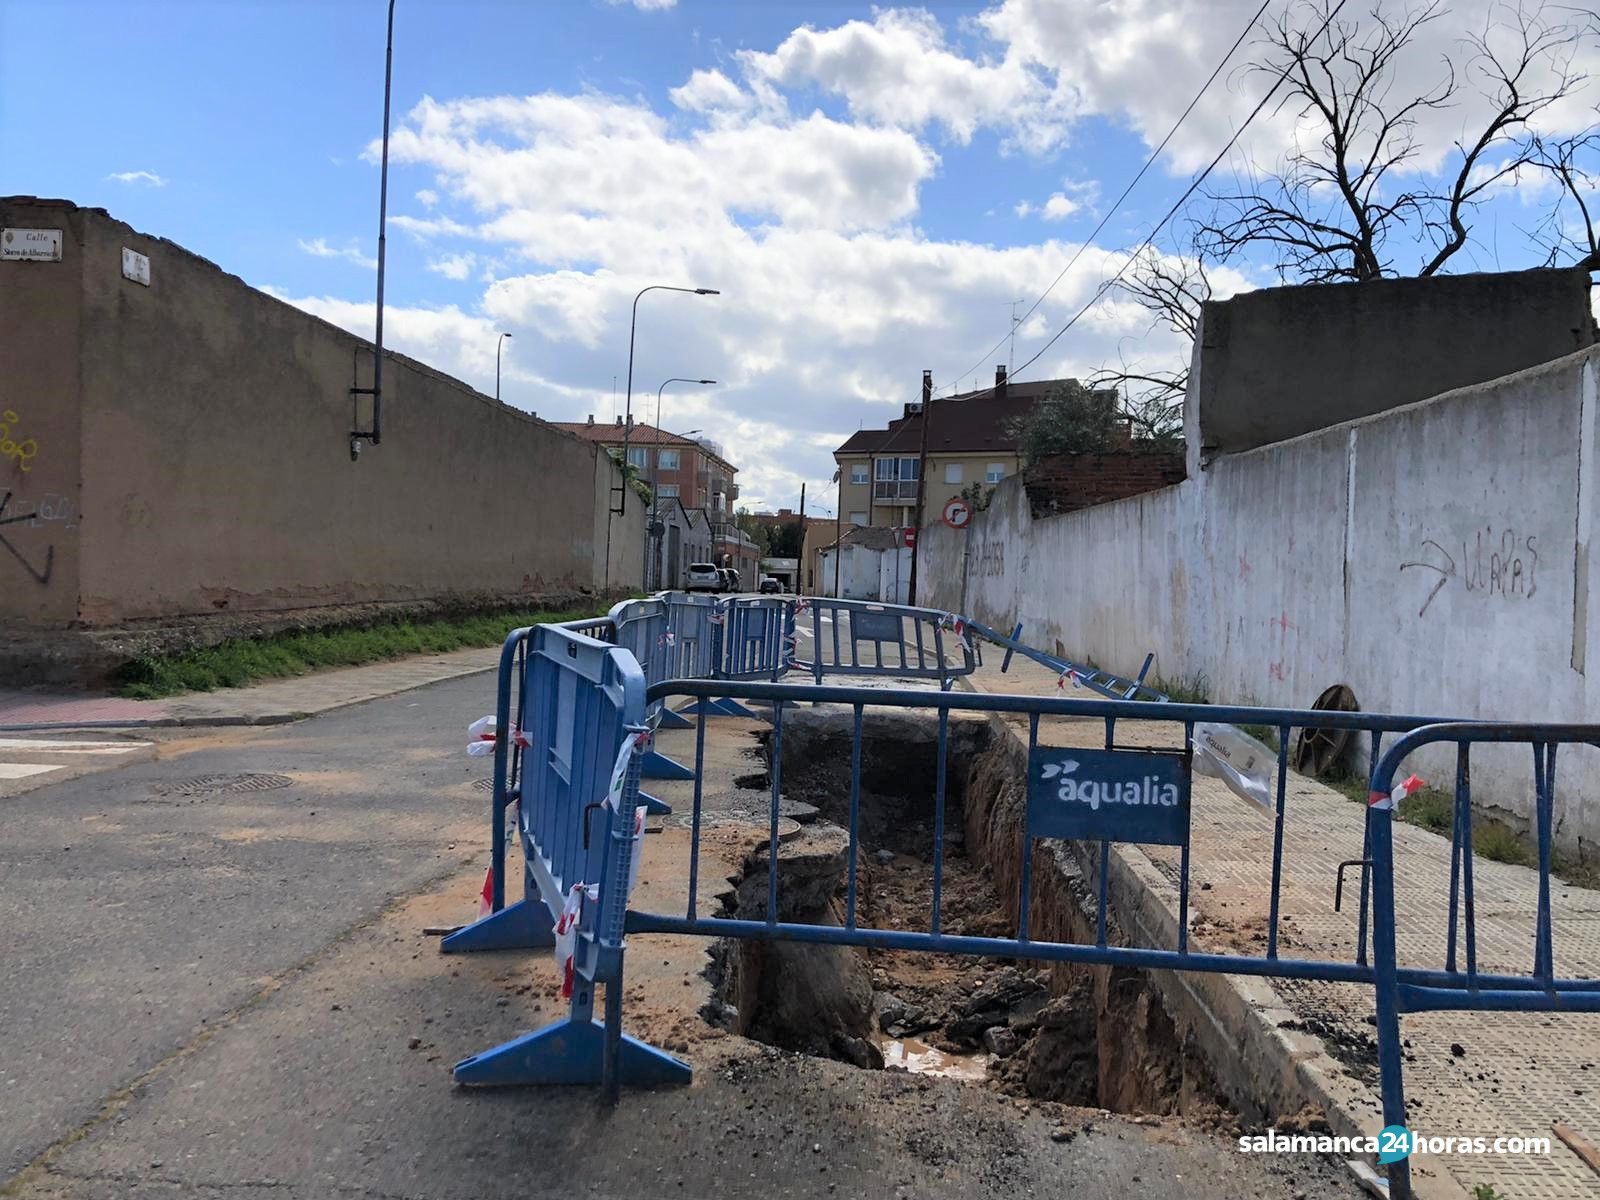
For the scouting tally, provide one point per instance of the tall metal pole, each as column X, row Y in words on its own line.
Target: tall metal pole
column 498, row 343
column 375, row 434
column 922, row 483
column 800, row 554
column 655, row 463
column 633, row 326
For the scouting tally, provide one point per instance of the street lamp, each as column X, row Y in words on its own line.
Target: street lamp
column 655, row 464
column 500, row 341
column 633, row 325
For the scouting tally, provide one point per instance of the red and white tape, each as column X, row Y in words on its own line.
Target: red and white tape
column 633, row 744
column 566, row 931
column 485, row 732
column 1406, row 787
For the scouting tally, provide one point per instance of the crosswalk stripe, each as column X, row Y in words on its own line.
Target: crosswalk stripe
column 48, row 746
column 23, row 770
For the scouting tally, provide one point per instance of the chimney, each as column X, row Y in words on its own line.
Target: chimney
column 619, row 421
column 1000, row 381
column 591, row 418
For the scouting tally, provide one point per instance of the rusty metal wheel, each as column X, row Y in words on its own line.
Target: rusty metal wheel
column 1320, row 751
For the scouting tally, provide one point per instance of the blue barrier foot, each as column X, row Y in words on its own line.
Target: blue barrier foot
column 655, row 765
column 723, row 707
column 569, row 1052
column 654, row 807
column 524, row 925
column 673, row 720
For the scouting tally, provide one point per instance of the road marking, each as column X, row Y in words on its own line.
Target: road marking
column 48, row 746
column 23, row 770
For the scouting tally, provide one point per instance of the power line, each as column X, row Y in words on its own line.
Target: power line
column 1194, row 186
column 1117, row 203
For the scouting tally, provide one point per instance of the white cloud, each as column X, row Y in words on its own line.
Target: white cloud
column 454, row 266
column 1141, row 62
column 645, row 5
column 427, row 197
column 147, row 178
column 711, row 91
column 832, row 302
column 899, row 70
column 1074, row 197
column 319, row 248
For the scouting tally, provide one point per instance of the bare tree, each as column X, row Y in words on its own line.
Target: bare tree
column 1341, row 196
column 1172, row 287
column 1570, row 226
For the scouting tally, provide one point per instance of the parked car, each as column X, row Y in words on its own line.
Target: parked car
column 703, row 577
column 770, row 586
column 730, row 580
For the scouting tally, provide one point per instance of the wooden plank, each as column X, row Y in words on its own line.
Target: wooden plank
column 1579, row 1145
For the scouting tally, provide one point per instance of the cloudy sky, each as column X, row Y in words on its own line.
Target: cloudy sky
column 871, row 188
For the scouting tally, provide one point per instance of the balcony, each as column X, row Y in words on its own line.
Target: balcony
column 895, row 491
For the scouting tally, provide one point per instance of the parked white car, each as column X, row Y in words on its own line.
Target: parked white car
column 702, row 577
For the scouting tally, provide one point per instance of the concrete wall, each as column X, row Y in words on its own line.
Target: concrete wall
column 1434, row 558
column 201, row 428
column 1277, row 363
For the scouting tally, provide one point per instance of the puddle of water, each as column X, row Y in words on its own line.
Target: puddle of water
column 919, row 1058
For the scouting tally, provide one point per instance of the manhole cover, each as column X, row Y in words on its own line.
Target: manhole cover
column 204, row 785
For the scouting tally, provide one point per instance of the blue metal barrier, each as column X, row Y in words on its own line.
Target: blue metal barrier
column 1101, row 682
column 644, row 629
column 1067, row 798
column 1401, row 990
column 860, row 637
column 579, row 696
column 584, row 699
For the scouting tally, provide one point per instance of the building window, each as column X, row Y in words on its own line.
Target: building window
column 668, row 491
column 858, row 518
column 897, row 479
column 995, row 473
column 952, row 472
column 636, row 457
column 858, row 472
column 667, row 460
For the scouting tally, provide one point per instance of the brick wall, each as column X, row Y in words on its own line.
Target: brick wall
column 1065, row 482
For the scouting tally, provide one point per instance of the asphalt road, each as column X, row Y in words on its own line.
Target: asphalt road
column 228, row 994
column 130, row 920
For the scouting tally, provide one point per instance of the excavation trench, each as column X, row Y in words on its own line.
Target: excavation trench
column 1081, row 1035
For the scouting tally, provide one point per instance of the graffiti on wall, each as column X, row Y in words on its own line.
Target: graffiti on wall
column 1493, row 562
column 13, row 445
column 27, row 514
column 991, row 560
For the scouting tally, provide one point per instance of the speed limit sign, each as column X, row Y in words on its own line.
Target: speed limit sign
column 957, row 512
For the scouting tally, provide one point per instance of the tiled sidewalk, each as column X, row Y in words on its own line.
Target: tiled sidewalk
column 1517, row 1073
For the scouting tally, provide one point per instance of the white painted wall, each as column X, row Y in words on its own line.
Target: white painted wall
column 880, row 575
column 1435, row 558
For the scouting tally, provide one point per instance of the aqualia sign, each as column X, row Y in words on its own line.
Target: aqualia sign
column 1109, row 795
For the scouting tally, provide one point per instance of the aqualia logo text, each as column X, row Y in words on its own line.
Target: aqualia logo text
column 1149, row 791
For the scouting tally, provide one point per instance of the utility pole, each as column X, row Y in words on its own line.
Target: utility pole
column 800, row 554
column 922, row 483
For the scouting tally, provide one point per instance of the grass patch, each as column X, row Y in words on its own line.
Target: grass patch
column 239, row 661
column 1433, row 809
column 1184, row 689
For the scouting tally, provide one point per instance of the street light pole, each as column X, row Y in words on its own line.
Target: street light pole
column 500, row 341
column 633, row 325
column 655, row 464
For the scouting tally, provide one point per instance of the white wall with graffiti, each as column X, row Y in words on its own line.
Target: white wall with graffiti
column 1434, row 558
